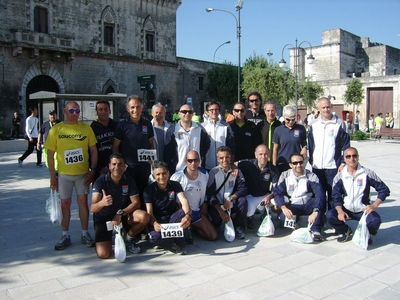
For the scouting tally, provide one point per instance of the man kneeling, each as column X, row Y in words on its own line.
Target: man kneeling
column 116, row 198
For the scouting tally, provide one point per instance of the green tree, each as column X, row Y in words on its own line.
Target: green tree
column 267, row 78
column 221, row 83
column 309, row 91
column 354, row 93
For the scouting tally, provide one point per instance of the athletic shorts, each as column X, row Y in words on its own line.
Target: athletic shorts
column 66, row 183
column 196, row 216
column 101, row 234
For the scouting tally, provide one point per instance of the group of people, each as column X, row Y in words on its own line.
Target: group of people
column 376, row 123
column 147, row 174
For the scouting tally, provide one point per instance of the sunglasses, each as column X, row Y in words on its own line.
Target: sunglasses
column 297, row 162
column 238, row 110
column 290, row 120
column 71, row 111
column 186, row 112
column 192, row 160
column 351, row 156
column 255, row 100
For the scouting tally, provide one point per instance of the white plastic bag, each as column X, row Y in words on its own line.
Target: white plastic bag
column 229, row 230
column 361, row 235
column 267, row 227
column 302, row 235
column 53, row 207
column 119, row 248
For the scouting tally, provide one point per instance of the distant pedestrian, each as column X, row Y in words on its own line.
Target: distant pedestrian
column 32, row 132
column 357, row 121
column 16, row 123
column 44, row 132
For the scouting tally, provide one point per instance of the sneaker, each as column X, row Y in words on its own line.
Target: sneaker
column 344, row 237
column 179, row 250
column 39, row 165
column 370, row 241
column 63, row 243
column 239, row 233
column 189, row 237
column 316, row 236
column 87, row 240
column 158, row 247
column 131, row 246
column 19, row 163
column 250, row 223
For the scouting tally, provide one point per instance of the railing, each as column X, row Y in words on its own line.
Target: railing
column 42, row 40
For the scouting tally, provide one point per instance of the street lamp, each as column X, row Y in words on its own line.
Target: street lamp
column 310, row 60
column 238, row 6
column 227, row 42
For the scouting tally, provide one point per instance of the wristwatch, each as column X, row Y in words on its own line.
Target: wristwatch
column 120, row 212
column 93, row 169
column 316, row 210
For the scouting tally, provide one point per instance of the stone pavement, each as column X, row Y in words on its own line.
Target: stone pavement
column 254, row 268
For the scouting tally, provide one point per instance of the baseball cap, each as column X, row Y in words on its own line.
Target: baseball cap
column 52, row 112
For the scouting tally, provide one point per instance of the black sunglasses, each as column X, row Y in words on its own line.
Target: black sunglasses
column 71, row 111
column 238, row 110
column 255, row 100
column 351, row 156
column 290, row 120
column 192, row 160
column 186, row 111
column 297, row 162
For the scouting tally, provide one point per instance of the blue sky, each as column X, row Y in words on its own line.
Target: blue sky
column 271, row 24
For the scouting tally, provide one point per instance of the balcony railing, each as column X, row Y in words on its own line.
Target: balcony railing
column 43, row 41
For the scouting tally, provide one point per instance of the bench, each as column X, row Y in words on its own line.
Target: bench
column 389, row 132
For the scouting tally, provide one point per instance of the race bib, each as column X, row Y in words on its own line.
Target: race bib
column 290, row 223
column 171, row 230
column 74, row 156
column 145, row 155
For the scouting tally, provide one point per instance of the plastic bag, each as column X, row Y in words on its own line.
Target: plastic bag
column 229, row 230
column 267, row 227
column 53, row 207
column 119, row 248
column 361, row 235
column 302, row 235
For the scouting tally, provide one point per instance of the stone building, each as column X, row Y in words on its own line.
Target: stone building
column 343, row 56
column 92, row 47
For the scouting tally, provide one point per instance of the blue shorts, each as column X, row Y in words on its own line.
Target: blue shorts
column 196, row 216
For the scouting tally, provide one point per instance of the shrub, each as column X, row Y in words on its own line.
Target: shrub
column 359, row 136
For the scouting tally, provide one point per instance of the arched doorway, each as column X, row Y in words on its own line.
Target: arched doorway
column 37, row 84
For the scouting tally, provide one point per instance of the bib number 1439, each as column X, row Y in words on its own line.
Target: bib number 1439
column 171, row 230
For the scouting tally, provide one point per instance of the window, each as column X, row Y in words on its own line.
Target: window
column 150, row 47
column 108, row 35
column 201, row 83
column 41, row 20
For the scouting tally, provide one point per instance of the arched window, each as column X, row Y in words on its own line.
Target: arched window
column 149, row 33
column 108, row 30
column 41, row 20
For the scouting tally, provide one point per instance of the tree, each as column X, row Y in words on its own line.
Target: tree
column 309, row 91
column 222, row 83
column 271, row 81
column 354, row 93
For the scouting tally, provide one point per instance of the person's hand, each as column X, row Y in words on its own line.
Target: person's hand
column 186, row 220
column 342, row 216
column 370, row 208
column 227, row 203
column 224, row 216
column 267, row 200
column 157, row 226
column 54, row 182
column 107, row 200
column 287, row 212
column 312, row 217
column 30, row 140
column 89, row 178
column 117, row 219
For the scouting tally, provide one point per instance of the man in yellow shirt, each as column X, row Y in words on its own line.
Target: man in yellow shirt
column 72, row 140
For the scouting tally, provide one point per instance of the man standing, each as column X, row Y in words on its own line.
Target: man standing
column 255, row 114
column 194, row 184
column 224, row 189
column 160, row 127
column 247, row 136
column 44, row 132
column 32, row 133
column 357, row 121
column 219, row 132
column 268, row 125
column 351, row 197
column 104, row 130
column 299, row 193
column 72, row 140
column 116, row 198
column 184, row 136
column 133, row 135
column 16, row 123
column 327, row 140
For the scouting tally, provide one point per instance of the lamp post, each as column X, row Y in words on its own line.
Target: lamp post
column 238, row 6
column 227, row 42
column 310, row 60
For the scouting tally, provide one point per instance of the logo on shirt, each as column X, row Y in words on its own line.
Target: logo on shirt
column 124, row 189
column 171, row 195
column 359, row 182
column 78, row 137
column 267, row 177
column 144, row 129
column 291, row 187
column 331, row 132
column 180, row 135
column 231, row 183
column 297, row 133
column 247, row 133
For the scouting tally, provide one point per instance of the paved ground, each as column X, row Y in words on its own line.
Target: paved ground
column 254, row 268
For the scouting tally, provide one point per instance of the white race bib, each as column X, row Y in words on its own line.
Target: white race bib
column 74, row 156
column 145, row 155
column 171, row 230
column 290, row 223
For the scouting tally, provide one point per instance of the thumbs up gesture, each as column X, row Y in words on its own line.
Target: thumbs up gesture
column 107, row 199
